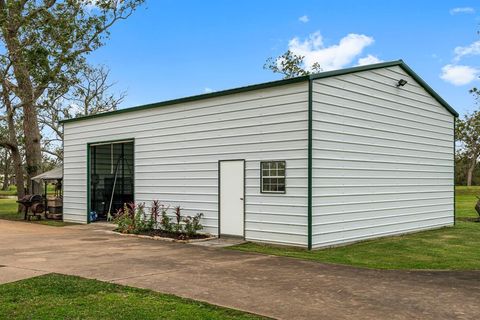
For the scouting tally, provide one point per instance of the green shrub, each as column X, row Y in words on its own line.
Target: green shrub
column 132, row 219
column 141, row 223
column 165, row 222
column 177, row 227
column 192, row 224
column 124, row 220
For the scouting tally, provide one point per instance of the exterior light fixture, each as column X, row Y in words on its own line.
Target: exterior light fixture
column 401, row 83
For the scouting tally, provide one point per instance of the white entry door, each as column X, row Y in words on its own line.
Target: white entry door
column 232, row 194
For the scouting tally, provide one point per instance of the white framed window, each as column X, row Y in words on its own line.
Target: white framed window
column 272, row 176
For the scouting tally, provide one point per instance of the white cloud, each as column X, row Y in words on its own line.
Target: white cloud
column 75, row 108
column 90, row 5
column 333, row 57
column 471, row 50
column 369, row 59
column 459, row 75
column 462, row 10
column 304, row 19
column 208, row 90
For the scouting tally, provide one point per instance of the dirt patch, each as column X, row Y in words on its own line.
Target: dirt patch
column 448, row 236
column 94, row 239
column 468, row 219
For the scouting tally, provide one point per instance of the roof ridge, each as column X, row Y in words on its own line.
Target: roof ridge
column 275, row 83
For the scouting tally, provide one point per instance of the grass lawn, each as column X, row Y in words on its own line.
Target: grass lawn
column 8, row 211
column 465, row 199
column 55, row 296
column 8, row 192
column 454, row 248
column 12, row 190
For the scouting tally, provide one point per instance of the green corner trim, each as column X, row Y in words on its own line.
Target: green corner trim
column 310, row 155
column 454, row 176
column 88, row 182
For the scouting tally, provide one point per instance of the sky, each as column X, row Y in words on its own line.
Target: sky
column 173, row 49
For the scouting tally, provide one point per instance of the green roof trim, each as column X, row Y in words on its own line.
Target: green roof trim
column 320, row 75
column 429, row 89
column 399, row 63
column 193, row 98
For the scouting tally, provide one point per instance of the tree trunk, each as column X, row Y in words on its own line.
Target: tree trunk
column 17, row 160
column 6, row 171
column 25, row 92
column 470, row 170
column 33, row 148
column 13, row 146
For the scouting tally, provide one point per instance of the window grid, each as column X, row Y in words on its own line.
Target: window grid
column 272, row 177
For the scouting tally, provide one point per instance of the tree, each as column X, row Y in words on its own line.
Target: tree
column 10, row 140
column 91, row 95
column 5, row 167
column 467, row 133
column 290, row 65
column 45, row 44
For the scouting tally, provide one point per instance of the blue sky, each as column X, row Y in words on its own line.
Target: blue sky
column 172, row 49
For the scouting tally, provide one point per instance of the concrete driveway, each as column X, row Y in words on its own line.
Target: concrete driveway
column 273, row 286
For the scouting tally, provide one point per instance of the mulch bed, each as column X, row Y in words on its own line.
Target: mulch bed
column 170, row 235
column 173, row 235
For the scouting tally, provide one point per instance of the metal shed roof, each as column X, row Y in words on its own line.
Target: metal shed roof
column 54, row 174
column 320, row 75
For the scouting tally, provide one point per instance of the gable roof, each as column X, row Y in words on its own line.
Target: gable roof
column 270, row 84
column 399, row 63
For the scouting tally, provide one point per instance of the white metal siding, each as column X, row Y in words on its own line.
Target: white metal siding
column 177, row 149
column 382, row 158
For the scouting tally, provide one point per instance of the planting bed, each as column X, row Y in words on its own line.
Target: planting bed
column 173, row 235
column 168, row 236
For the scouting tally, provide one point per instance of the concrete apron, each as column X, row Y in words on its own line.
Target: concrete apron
column 277, row 287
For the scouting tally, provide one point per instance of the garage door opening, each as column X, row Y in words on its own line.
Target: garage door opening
column 111, row 174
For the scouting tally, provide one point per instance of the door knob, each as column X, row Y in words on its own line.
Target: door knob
column 241, row 199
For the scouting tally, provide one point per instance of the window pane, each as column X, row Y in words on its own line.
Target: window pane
column 266, row 187
column 273, row 172
column 273, row 176
column 274, row 187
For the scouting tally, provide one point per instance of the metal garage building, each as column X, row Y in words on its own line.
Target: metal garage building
column 311, row 161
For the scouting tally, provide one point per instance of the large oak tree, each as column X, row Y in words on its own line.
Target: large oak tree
column 45, row 44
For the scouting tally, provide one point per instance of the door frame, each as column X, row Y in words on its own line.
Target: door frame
column 89, row 144
column 219, row 193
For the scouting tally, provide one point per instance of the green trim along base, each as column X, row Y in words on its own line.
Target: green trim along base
column 321, row 75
